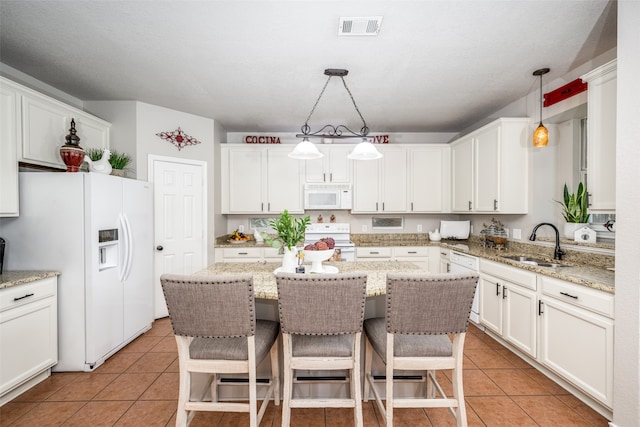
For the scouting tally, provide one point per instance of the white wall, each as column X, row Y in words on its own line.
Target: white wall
column 626, row 392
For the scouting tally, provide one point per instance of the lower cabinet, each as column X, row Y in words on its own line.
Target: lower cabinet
column 373, row 253
column 576, row 336
column 247, row 254
column 28, row 335
column 508, row 304
column 419, row 255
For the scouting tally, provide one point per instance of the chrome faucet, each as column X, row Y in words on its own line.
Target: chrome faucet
column 557, row 253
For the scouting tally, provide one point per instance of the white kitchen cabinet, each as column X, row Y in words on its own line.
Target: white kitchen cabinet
column 333, row 167
column 9, row 138
column 260, row 180
column 445, row 262
column 428, row 178
column 383, row 253
column 489, row 168
column 28, row 335
column 601, row 137
column 380, row 186
column 44, row 122
column 248, row 254
column 419, row 255
column 508, row 303
column 576, row 336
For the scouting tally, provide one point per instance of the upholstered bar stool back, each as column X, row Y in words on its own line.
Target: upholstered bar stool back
column 321, row 319
column 423, row 311
column 213, row 319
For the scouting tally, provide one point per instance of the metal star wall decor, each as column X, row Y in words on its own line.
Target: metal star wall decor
column 178, row 138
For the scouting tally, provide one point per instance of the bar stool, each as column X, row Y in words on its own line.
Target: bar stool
column 321, row 319
column 421, row 311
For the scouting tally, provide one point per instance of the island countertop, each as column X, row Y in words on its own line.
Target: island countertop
column 264, row 279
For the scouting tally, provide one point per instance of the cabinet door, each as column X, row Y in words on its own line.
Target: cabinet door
column 93, row 132
column 394, row 180
column 462, row 176
column 366, row 187
column 519, row 311
column 284, row 182
column 9, row 138
column 426, row 179
column 339, row 166
column 578, row 345
column 245, row 169
column 487, row 170
column 490, row 300
column 601, row 145
column 44, row 127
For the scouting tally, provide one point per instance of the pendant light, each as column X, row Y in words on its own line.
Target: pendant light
column 307, row 150
column 541, row 134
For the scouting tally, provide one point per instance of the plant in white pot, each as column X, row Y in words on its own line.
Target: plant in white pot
column 290, row 231
column 574, row 210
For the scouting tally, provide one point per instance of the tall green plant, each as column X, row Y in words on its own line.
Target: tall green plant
column 575, row 205
column 290, row 230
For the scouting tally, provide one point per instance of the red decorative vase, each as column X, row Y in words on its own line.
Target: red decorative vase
column 72, row 156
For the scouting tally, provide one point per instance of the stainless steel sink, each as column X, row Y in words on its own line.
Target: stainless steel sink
column 534, row 261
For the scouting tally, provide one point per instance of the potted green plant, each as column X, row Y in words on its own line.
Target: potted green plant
column 119, row 161
column 289, row 231
column 574, row 210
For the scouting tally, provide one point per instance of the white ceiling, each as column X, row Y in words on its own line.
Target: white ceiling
column 436, row 66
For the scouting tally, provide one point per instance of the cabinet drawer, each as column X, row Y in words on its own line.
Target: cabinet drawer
column 512, row 274
column 24, row 294
column 272, row 254
column 411, row 251
column 242, row 252
column 591, row 299
column 373, row 252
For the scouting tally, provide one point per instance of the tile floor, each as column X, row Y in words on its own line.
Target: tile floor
column 138, row 386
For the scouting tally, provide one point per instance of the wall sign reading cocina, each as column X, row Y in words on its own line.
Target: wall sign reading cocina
column 261, row 139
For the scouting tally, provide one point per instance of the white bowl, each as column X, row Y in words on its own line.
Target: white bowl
column 316, row 258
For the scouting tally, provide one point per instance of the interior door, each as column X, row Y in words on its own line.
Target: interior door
column 180, row 220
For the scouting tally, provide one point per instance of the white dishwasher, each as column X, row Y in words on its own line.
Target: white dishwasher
column 463, row 263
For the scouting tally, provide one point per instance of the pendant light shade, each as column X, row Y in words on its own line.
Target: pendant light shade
column 305, row 150
column 541, row 134
column 364, row 151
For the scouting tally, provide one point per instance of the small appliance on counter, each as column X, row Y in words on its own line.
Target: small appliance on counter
column 455, row 230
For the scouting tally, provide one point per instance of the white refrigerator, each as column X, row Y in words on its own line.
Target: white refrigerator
column 97, row 231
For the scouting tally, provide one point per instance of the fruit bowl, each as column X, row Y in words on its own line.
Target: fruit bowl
column 316, row 258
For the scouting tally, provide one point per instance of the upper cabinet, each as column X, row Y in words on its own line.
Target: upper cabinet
column 601, row 134
column 9, row 135
column 489, row 169
column 380, row 186
column 428, row 178
column 260, row 179
column 333, row 167
column 44, row 122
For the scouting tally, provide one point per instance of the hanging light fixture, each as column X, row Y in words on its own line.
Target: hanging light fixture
column 541, row 134
column 363, row 151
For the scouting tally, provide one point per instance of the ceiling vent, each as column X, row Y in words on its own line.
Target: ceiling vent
column 359, row 26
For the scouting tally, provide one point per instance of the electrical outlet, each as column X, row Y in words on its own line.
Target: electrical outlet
column 419, row 228
column 241, row 228
column 364, row 228
column 517, row 233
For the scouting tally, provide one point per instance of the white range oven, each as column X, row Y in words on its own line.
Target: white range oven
column 463, row 263
column 339, row 232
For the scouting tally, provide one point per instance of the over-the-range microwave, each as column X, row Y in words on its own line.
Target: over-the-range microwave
column 327, row 196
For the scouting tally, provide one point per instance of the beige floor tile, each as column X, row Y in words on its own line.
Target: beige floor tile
column 202, row 419
column 160, row 328
column 153, row 362
column 13, row 410
column 142, row 344
column 166, row 345
column 96, row 414
column 441, row 417
column 544, row 381
column 594, row 418
column 500, row 411
column 487, row 358
column 118, row 363
column 515, row 382
column 49, row 414
column 47, row 387
column 127, row 387
column 550, row 411
column 174, row 367
column 410, row 417
column 476, row 383
column 308, row 417
column 515, row 360
column 148, row 414
column 85, row 387
column 165, row 387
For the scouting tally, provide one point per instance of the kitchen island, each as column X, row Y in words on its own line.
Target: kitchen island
column 264, row 279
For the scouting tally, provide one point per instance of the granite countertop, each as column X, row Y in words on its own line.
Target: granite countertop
column 13, row 278
column 264, row 279
column 582, row 268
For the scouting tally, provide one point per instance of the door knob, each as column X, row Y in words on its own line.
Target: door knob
column 159, row 247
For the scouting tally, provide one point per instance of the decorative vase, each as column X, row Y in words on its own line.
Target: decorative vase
column 117, row 172
column 570, row 228
column 72, row 156
column 290, row 260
